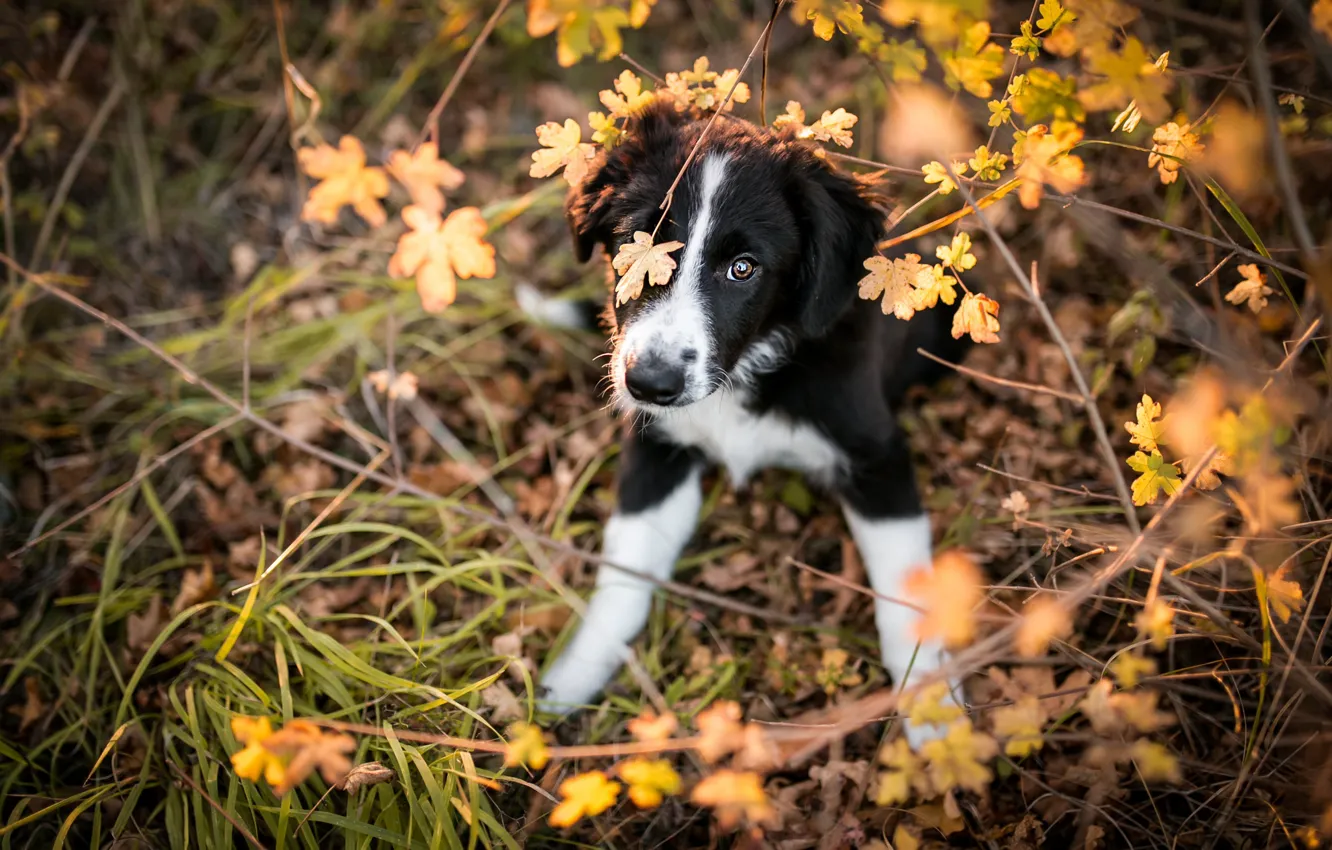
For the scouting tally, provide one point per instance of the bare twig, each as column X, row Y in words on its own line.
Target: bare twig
column 1003, row 382
column 431, row 126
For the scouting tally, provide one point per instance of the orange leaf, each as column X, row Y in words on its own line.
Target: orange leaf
column 734, row 795
column 948, row 594
column 978, row 315
column 424, row 174
column 439, row 251
column 345, row 179
column 587, row 794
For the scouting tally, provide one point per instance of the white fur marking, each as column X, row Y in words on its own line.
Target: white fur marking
column 678, row 321
column 555, row 312
column 745, row 442
column 891, row 550
column 649, row 541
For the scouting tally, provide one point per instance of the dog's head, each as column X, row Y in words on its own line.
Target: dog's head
column 774, row 244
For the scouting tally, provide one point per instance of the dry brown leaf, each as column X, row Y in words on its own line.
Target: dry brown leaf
column 195, row 587
column 365, row 775
column 641, row 260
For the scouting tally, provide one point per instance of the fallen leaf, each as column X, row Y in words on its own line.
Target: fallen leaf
column 526, row 746
column 33, row 708
column 308, row 748
column 639, row 260
column 649, row 726
column 1044, row 620
column 719, row 730
column 1020, row 724
column 957, row 760
column 365, row 775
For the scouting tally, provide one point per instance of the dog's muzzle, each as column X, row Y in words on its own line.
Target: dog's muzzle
column 658, row 379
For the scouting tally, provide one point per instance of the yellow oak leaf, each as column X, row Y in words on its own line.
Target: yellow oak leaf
column 526, row 746
column 1173, row 140
column 834, row 127
column 734, row 795
column 793, row 116
column 562, row 147
column 935, row 172
column 425, row 174
column 947, row 594
column 1252, row 288
column 977, row 315
column 344, row 179
column 1156, row 477
column 957, row 255
column 958, row 759
column 640, row 260
column 628, row 97
column 585, row 795
column 650, row 781
column 1020, row 724
column 1148, row 432
column 1052, row 15
column 438, row 251
column 893, row 280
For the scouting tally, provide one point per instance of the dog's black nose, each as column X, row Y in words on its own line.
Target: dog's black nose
column 654, row 381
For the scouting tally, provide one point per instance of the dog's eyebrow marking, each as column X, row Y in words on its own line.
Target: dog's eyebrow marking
column 713, row 175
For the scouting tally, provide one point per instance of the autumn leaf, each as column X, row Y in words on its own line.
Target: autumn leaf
column 903, row 776
column 648, row 726
column 932, row 285
column 1130, row 75
column 935, row 172
column 957, row 255
column 425, row 174
column 974, row 62
column 403, row 386
column 1111, row 712
column 344, row 179
column 734, row 795
column 1320, row 18
column 1044, row 161
column 719, row 730
column 1209, row 477
column 1129, row 667
column 256, row 761
column 930, row 706
column 835, row 671
column 585, row 795
column 306, row 748
column 650, row 781
column 1043, row 621
column 1173, row 140
column 367, row 774
column 893, row 280
column 563, row 147
column 1283, row 594
column 580, row 27
column 1020, row 724
column 439, row 251
column 628, row 97
column 34, row 708
column 1052, row 15
column 1252, row 288
column 828, row 17
column 1156, row 621
column 834, row 126
column 957, row 760
column 794, row 115
column 1026, row 44
column 196, row 586
column 526, row 746
column 605, row 131
column 1156, row 477
column 1148, row 432
column 1155, row 762
column 977, row 315
column 987, row 165
column 947, row 593
column 640, row 260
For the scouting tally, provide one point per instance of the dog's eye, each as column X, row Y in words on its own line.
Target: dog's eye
column 742, row 268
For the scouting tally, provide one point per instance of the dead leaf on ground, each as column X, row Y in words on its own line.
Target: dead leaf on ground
column 365, row 775
column 195, row 587
column 142, row 627
column 33, row 708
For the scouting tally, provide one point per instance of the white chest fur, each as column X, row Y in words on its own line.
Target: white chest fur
column 745, row 442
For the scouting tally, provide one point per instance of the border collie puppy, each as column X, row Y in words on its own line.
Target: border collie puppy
column 757, row 353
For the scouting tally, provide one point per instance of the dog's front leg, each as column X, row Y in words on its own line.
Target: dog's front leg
column 659, row 501
column 892, row 532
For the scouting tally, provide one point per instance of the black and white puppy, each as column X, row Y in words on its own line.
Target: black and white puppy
column 757, row 353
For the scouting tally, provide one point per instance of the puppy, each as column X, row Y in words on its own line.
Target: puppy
column 757, row 353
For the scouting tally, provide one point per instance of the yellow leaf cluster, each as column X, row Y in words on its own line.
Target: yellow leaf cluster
column 581, row 27
column 1045, row 160
column 562, row 147
column 285, row 757
column 974, row 62
column 706, row 89
column 832, row 126
column 1173, row 145
column 1020, row 724
column 958, row 759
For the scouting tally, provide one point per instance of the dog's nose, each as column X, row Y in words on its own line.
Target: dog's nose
column 654, row 381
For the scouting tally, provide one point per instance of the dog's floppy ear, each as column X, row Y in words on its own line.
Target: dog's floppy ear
column 651, row 135
column 841, row 226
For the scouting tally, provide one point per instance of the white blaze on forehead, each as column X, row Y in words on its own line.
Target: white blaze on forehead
column 679, row 321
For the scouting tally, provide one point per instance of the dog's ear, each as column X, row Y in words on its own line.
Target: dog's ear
column 649, row 136
column 841, row 223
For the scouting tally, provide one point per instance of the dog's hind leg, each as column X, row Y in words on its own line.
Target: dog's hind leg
column 659, row 501
column 892, row 532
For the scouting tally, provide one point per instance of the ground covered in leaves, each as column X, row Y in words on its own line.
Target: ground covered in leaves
column 295, row 502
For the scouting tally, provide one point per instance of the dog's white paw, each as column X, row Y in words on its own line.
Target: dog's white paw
column 572, row 682
column 919, row 734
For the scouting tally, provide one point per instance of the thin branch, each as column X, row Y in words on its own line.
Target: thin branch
column 1003, row 382
column 432, row 120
